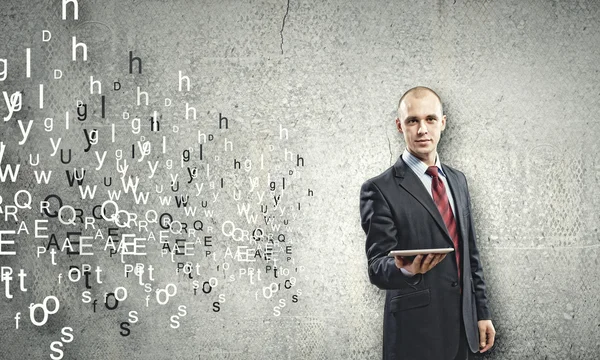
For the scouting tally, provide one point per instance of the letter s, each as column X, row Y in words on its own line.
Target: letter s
column 52, row 347
column 66, row 332
column 174, row 319
column 125, row 327
column 86, row 298
column 133, row 317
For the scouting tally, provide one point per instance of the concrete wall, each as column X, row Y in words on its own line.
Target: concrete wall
column 519, row 81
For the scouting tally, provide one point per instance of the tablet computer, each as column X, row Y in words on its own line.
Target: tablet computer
column 420, row 251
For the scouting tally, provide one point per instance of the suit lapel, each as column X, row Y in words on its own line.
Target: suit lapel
column 408, row 180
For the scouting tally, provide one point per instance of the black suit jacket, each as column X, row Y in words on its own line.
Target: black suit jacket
column 421, row 314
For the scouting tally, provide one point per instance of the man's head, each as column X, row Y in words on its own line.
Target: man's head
column 421, row 120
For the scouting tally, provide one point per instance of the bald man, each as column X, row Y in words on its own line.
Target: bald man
column 436, row 306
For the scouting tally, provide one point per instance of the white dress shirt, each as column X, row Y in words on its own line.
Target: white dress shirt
column 419, row 168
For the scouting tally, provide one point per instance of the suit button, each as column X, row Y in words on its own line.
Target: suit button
column 455, row 284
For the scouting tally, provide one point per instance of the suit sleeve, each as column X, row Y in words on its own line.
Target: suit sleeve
column 381, row 238
column 481, row 302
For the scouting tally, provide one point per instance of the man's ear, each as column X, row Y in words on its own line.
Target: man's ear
column 398, row 125
column 444, row 122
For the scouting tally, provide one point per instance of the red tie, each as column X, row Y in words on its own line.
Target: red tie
column 441, row 200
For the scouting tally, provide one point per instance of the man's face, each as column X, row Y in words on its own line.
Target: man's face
column 421, row 121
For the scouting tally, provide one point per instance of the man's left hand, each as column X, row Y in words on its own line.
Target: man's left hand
column 487, row 333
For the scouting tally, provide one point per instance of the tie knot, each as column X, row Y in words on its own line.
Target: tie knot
column 432, row 171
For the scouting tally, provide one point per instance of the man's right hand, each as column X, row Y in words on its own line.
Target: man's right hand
column 420, row 264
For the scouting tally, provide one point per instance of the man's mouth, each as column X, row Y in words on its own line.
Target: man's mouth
column 423, row 140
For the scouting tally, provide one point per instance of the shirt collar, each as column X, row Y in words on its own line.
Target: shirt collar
column 418, row 166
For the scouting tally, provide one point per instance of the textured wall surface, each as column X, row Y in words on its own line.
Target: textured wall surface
column 520, row 85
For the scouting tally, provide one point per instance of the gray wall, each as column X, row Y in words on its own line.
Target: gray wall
column 519, row 81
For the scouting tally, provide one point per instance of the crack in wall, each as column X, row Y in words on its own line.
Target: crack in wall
column 287, row 10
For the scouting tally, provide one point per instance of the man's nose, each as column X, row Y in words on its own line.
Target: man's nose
column 422, row 128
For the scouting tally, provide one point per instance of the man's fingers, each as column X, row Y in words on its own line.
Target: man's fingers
column 416, row 264
column 490, row 341
column 435, row 259
column 422, row 263
column 418, row 261
column 433, row 262
column 423, row 266
column 487, row 347
column 482, row 339
column 428, row 260
column 399, row 262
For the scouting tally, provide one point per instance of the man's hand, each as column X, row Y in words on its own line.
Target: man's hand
column 419, row 265
column 487, row 333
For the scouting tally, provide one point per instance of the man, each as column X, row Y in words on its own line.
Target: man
column 436, row 305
